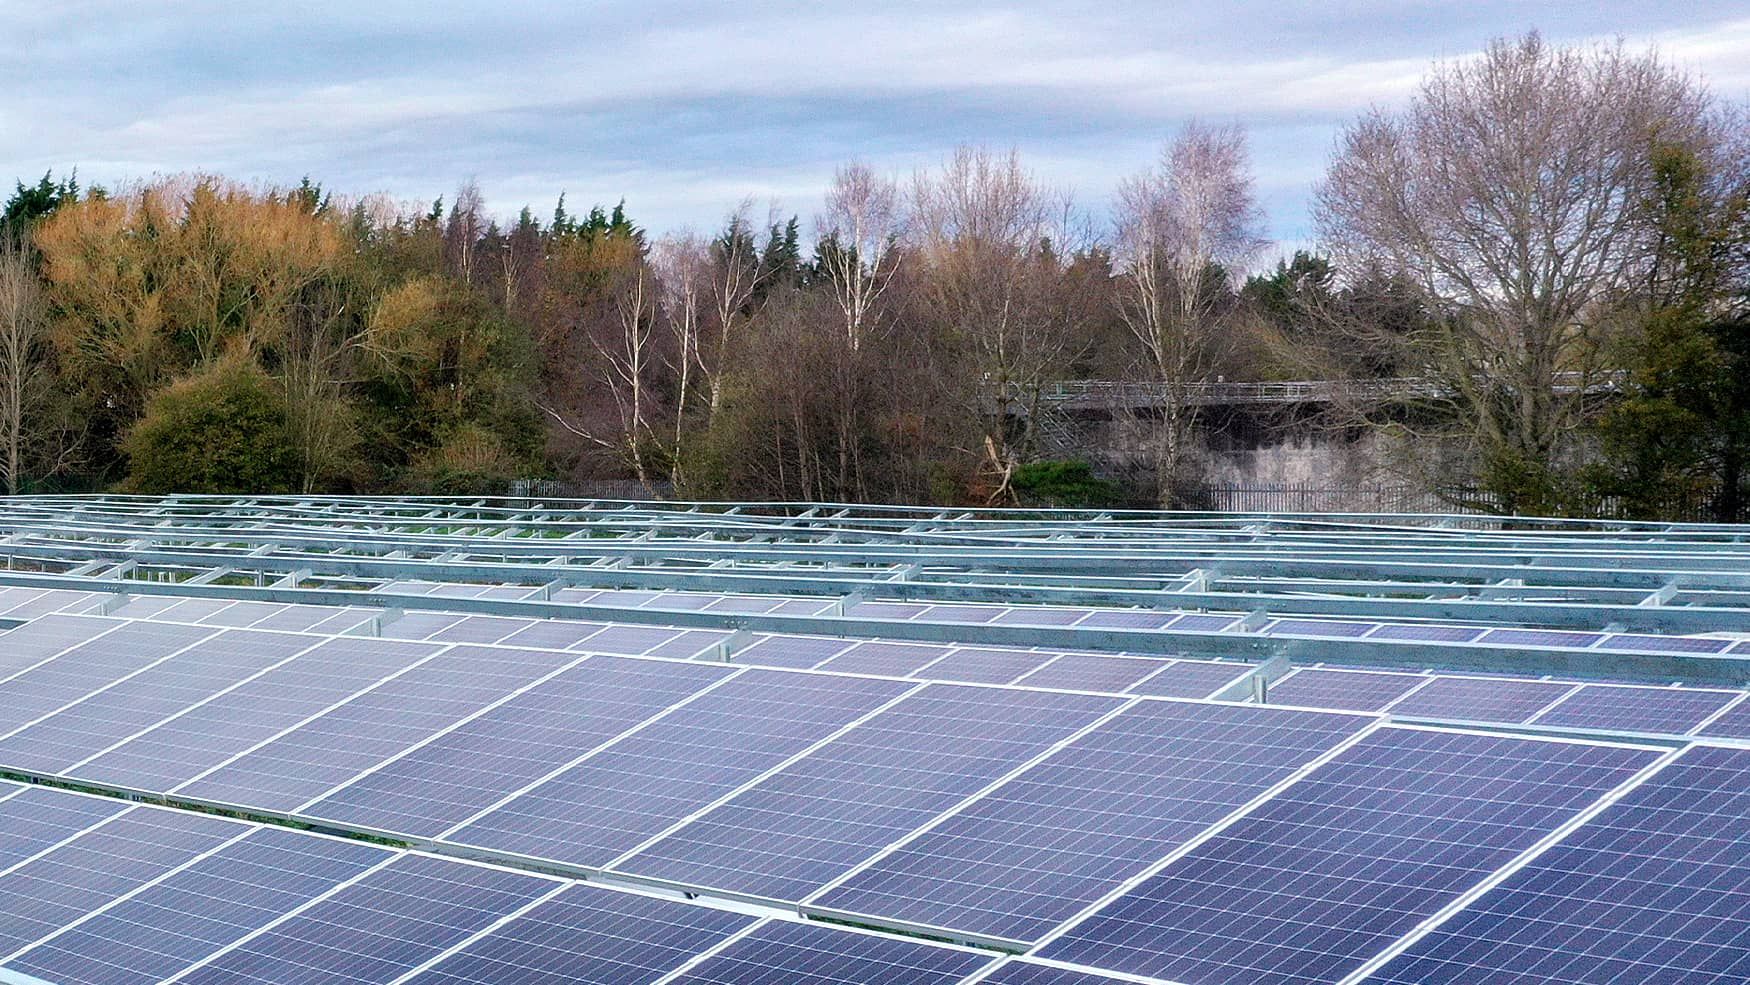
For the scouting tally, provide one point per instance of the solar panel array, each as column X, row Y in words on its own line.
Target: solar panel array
column 793, row 785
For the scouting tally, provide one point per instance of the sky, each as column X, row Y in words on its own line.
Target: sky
column 685, row 109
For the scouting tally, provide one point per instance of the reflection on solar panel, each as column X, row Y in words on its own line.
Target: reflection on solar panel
column 895, row 659
column 782, row 952
column 378, row 928
column 214, row 902
column 183, row 747
column 1651, row 890
column 1040, row 848
column 335, row 747
column 1347, row 690
column 1667, row 644
column 1332, row 870
column 1092, row 672
column 588, row 936
column 1020, row 972
column 614, row 801
column 798, row 829
column 43, row 895
column 90, row 726
column 450, row 779
column 1191, row 679
column 1674, row 711
column 979, row 665
column 1479, row 699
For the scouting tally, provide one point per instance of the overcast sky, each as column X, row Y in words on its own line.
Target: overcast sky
column 685, row 108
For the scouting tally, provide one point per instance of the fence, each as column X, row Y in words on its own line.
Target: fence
column 1307, row 497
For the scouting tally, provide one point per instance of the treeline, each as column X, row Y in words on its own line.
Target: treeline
column 1553, row 242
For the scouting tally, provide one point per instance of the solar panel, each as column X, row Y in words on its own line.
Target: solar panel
column 1320, row 627
column 690, row 644
column 1191, row 679
column 1040, row 616
column 480, row 629
column 1666, row 644
column 188, row 916
column 1333, row 869
column 54, row 601
column 96, row 723
column 449, row 780
column 885, row 610
column 1479, row 699
column 1668, row 710
column 1092, row 672
column 36, row 818
column 242, row 614
column 745, row 603
column 1347, row 690
column 88, row 667
column 120, row 855
column 785, row 952
column 893, row 659
column 982, row 665
column 805, row 825
column 632, row 791
column 1541, row 637
column 1127, row 619
column 378, row 928
column 40, row 639
column 588, row 936
column 299, row 618
column 1040, row 848
column 628, row 640
column 789, row 651
column 555, row 634
column 1734, row 724
column 1651, row 890
column 1418, row 633
column 193, row 610
column 327, row 751
column 1022, row 972
column 961, row 613
column 181, row 748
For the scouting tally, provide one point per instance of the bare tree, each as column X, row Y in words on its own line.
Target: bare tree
column 22, row 324
column 1185, row 227
column 683, row 270
column 466, row 227
column 1509, row 191
column 735, row 278
column 858, row 255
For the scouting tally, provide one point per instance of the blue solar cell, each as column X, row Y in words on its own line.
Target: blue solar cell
column 789, row 651
column 629, row 640
column 1320, row 627
column 1336, row 867
column 191, row 914
column 1541, row 637
column 805, row 825
column 480, row 629
column 962, row 613
column 1651, row 890
column 895, row 659
column 784, row 952
column 87, row 728
column 1665, row 644
column 35, row 818
column 980, row 665
column 378, row 928
column 554, row 634
column 616, row 800
column 1734, row 724
column 1480, row 699
column 379, row 723
column 183, row 747
column 1040, row 848
column 1345, row 690
column 1034, row 615
column 1127, row 619
column 588, row 936
column 449, row 780
column 42, row 638
column 111, row 860
column 1668, row 710
column 90, row 666
column 1092, row 672
column 1202, row 624
column 1417, row 633
column 1743, row 647
column 1191, row 679
column 1023, row 972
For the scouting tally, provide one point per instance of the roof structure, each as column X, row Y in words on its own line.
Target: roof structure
column 437, row 741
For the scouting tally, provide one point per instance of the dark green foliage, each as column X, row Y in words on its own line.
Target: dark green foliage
column 224, row 431
column 1067, row 484
column 32, row 202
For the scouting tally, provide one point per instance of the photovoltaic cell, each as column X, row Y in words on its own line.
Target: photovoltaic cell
column 784, row 952
column 1666, row 644
column 1021, row 972
column 745, row 603
column 1417, row 633
column 35, row 818
column 379, row 723
column 1479, row 699
column 193, row 610
column 893, row 659
column 1346, row 690
column 40, row 639
column 85, row 729
column 961, row 613
column 588, row 936
column 54, row 601
column 1191, row 679
column 242, row 614
column 1092, row 672
column 1668, row 710
column 448, row 781
column 1734, row 724
column 1040, row 616
column 378, row 928
column 1040, row 848
column 629, row 640
column 885, row 610
column 1320, row 627
column 299, row 618
column 981, row 665
column 46, row 893
column 181, row 748
column 1127, row 619
column 798, row 829
column 1540, row 637
column 1202, row 624
column 789, row 651
column 1651, row 890
column 1333, row 869
column 616, row 800
column 690, row 644
column 419, row 625
column 191, row 914
column 557, row 634
column 88, row 667
column 480, row 629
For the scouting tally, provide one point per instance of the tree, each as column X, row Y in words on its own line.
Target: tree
column 1507, row 191
column 221, row 431
column 28, row 437
column 858, row 255
column 31, row 203
column 1181, row 226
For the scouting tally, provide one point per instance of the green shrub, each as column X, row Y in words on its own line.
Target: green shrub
column 1070, row 484
column 220, row 431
